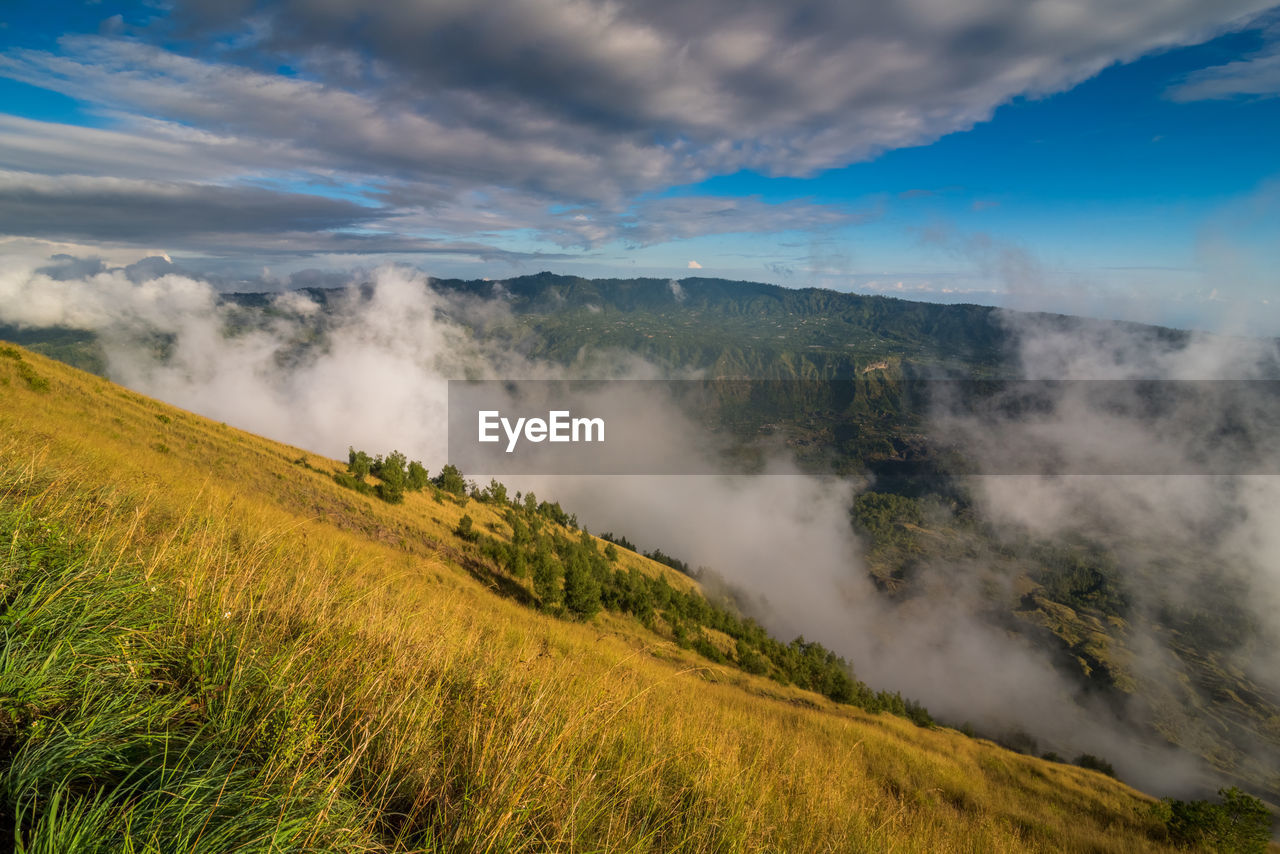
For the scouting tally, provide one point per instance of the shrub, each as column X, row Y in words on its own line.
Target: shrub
column 34, row 381
column 707, row 649
column 391, row 492
column 351, row 482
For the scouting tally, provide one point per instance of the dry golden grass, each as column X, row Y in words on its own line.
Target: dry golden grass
column 462, row 720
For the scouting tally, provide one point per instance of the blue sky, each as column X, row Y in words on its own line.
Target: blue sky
column 1050, row 156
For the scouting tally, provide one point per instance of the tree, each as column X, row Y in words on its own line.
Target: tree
column 391, row 492
column 417, row 479
column 581, row 590
column 465, row 529
column 1094, row 763
column 392, row 469
column 358, row 463
column 451, row 480
column 496, row 493
column 546, row 579
column 750, row 660
column 392, row 476
column 519, row 530
column 519, row 565
column 1240, row 824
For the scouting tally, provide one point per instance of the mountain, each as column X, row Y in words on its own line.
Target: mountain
column 1161, row 665
column 209, row 643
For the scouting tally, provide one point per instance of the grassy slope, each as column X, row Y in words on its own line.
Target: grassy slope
column 380, row 696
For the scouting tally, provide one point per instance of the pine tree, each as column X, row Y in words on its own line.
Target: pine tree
column 546, row 579
column 581, row 590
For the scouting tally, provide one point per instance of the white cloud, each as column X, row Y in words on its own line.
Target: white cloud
column 1256, row 76
column 694, row 265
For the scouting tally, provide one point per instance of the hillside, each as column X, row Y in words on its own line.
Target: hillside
column 208, row 639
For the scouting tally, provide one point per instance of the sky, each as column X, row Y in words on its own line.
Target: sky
column 1108, row 157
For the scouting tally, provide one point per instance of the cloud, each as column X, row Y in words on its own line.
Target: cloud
column 140, row 149
column 661, row 220
column 79, row 207
column 643, row 223
column 1174, row 538
column 211, row 218
column 113, row 25
column 758, row 85
column 694, row 265
column 497, row 116
column 373, row 131
column 66, row 267
column 1256, row 76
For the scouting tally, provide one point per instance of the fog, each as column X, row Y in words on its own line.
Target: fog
column 372, row 372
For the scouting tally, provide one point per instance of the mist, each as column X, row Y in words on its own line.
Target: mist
column 372, row 372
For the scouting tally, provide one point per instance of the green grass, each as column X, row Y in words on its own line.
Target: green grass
column 123, row 726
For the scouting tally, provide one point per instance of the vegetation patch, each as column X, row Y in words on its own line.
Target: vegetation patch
column 1239, row 824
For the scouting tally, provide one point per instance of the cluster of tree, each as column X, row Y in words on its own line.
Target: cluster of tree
column 529, row 505
column 397, row 475
column 1095, row 763
column 675, row 563
column 883, row 518
column 573, row 577
column 1207, row 614
column 1241, row 824
column 395, row 472
column 657, row 555
column 619, row 540
column 1085, row 579
column 1079, row 574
